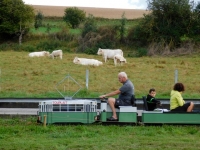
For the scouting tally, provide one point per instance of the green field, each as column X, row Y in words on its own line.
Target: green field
column 19, row 134
column 22, row 76
column 57, row 24
column 44, row 30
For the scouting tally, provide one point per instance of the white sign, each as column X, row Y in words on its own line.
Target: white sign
column 59, row 102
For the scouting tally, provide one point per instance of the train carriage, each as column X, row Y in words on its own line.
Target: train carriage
column 87, row 111
column 82, row 111
column 164, row 116
column 67, row 111
column 160, row 117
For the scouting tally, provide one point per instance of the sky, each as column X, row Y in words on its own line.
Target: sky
column 122, row 4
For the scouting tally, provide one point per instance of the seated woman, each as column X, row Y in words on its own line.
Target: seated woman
column 176, row 100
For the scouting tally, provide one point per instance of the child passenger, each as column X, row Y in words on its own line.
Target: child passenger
column 151, row 101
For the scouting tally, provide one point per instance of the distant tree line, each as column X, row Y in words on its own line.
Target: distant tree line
column 172, row 24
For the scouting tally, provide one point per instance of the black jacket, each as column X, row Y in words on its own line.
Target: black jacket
column 151, row 102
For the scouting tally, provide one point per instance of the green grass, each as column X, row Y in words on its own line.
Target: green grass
column 75, row 31
column 22, row 76
column 44, row 30
column 53, row 21
column 26, row 134
column 41, row 30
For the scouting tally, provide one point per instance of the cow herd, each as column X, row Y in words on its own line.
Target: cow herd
column 55, row 53
column 115, row 54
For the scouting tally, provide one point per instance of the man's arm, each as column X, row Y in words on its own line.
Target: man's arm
column 111, row 94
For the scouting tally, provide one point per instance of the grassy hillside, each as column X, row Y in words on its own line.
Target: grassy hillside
column 22, row 76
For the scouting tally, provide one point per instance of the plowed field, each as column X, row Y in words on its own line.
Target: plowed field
column 58, row 11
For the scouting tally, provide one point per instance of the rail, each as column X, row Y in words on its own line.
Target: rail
column 37, row 100
column 29, row 106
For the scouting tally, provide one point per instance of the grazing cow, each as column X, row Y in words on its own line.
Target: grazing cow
column 120, row 59
column 109, row 53
column 56, row 53
column 85, row 61
column 38, row 54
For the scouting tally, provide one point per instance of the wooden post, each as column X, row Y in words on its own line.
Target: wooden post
column 45, row 121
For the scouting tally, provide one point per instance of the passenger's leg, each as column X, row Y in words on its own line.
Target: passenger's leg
column 190, row 108
column 111, row 102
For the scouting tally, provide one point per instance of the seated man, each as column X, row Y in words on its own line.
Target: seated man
column 125, row 92
column 151, row 101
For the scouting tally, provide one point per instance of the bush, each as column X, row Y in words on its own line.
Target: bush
column 89, row 25
column 138, row 36
column 3, row 46
column 141, row 52
column 74, row 16
column 29, row 48
column 49, row 45
column 63, row 35
column 91, row 51
column 104, row 37
column 16, row 47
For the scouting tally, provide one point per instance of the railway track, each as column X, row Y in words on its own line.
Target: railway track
column 29, row 106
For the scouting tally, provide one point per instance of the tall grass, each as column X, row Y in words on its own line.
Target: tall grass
column 22, row 76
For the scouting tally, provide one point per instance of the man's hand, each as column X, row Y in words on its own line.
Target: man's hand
column 102, row 96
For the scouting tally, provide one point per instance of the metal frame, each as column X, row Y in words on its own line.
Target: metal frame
column 67, row 97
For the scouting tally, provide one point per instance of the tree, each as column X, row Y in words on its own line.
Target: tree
column 38, row 19
column 89, row 25
column 167, row 23
column 15, row 18
column 171, row 19
column 122, row 27
column 74, row 16
column 48, row 28
column 196, row 22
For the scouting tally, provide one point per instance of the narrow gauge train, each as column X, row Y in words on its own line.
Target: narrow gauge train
column 88, row 111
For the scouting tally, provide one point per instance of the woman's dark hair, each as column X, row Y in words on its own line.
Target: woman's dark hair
column 179, row 87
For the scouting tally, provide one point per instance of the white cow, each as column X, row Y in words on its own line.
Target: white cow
column 56, row 53
column 109, row 53
column 85, row 61
column 120, row 59
column 38, row 54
